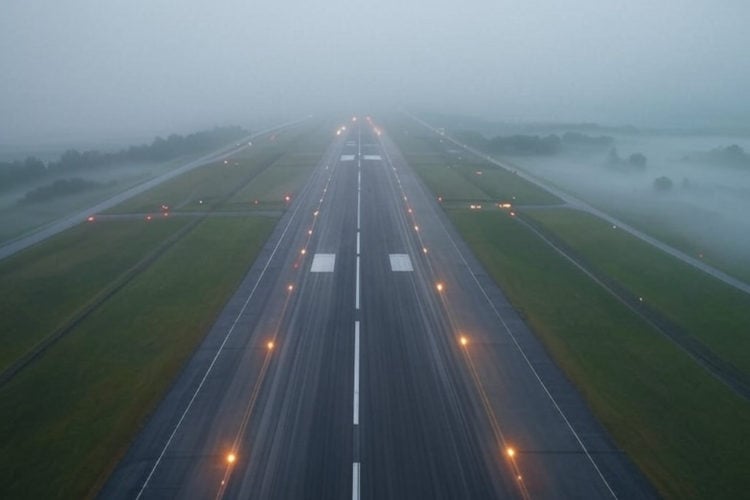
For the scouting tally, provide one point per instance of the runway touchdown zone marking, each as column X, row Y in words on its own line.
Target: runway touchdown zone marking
column 323, row 263
column 400, row 262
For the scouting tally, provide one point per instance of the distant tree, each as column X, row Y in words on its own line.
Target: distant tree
column 612, row 157
column 663, row 183
column 637, row 159
column 578, row 138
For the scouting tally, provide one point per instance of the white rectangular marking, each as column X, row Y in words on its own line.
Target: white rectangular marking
column 372, row 157
column 359, row 209
column 357, row 242
column 357, row 291
column 400, row 262
column 356, row 373
column 355, row 481
column 323, row 263
column 347, row 157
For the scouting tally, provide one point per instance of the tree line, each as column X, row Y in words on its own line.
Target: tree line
column 160, row 149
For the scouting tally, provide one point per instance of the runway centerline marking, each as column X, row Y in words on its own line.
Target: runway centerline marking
column 356, row 373
column 355, row 481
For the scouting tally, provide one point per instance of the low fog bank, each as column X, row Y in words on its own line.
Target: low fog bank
column 35, row 191
column 691, row 190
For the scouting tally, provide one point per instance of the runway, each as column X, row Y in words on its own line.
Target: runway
column 366, row 354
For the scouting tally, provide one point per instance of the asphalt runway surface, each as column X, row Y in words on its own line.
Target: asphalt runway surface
column 366, row 354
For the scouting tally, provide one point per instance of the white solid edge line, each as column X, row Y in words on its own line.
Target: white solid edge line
column 523, row 354
column 356, row 373
column 216, row 356
column 355, row 481
column 356, row 292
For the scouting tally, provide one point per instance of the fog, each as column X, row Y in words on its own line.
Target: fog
column 705, row 212
column 124, row 71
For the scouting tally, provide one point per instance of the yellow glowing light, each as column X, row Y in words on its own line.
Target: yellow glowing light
column 424, row 250
column 231, row 458
column 439, row 287
column 270, row 345
column 511, row 452
column 290, row 287
column 463, row 340
column 303, row 251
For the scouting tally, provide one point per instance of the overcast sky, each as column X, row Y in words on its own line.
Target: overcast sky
column 83, row 70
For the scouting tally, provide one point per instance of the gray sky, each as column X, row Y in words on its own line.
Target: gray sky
column 114, row 69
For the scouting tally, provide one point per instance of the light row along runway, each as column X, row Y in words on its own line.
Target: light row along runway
column 367, row 355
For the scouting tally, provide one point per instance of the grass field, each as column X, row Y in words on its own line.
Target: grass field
column 66, row 418
column 684, row 429
column 716, row 314
column 44, row 286
column 457, row 177
column 69, row 415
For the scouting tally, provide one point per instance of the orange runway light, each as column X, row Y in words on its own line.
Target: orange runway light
column 231, row 458
column 464, row 340
column 440, row 287
column 270, row 345
column 511, row 452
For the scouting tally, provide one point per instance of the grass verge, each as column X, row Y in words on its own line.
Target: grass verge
column 716, row 314
column 45, row 286
column 60, row 434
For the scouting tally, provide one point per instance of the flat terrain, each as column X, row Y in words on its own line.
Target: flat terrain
column 367, row 389
column 683, row 427
column 97, row 321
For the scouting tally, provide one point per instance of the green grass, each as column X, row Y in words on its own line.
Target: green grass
column 687, row 431
column 43, row 287
column 449, row 183
column 285, row 178
column 61, row 434
column 716, row 314
column 704, row 248
column 462, row 177
column 213, row 183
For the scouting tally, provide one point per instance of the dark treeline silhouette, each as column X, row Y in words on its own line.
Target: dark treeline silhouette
column 637, row 160
column 60, row 187
column 532, row 144
column 732, row 155
column 160, row 149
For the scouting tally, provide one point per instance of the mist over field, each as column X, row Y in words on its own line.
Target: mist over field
column 690, row 189
column 123, row 72
column 120, row 73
